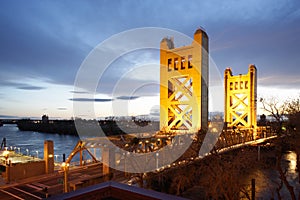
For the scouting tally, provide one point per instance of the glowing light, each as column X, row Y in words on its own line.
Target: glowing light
column 292, row 157
column 5, row 154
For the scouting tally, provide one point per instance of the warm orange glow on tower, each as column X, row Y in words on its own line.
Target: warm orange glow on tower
column 240, row 99
column 184, row 85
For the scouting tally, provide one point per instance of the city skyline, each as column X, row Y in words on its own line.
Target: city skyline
column 43, row 45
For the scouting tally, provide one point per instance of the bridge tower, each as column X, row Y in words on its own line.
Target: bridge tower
column 184, row 85
column 240, row 99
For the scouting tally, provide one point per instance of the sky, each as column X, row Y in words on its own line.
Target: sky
column 44, row 44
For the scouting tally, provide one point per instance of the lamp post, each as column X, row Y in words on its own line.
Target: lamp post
column 124, row 156
column 6, row 154
column 65, row 167
column 127, row 155
column 157, row 154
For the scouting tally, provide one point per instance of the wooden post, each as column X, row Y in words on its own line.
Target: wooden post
column 258, row 152
column 80, row 157
column 253, row 189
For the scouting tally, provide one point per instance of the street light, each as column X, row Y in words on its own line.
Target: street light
column 6, row 154
column 37, row 154
column 56, row 157
column 65, row 167
column 157, row 154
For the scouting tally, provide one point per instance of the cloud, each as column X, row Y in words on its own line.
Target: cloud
column 9, row 117
column 48, row 41
column 90, row 100
column 34, row 44
column 62, row 109
column 104, row 100
column 30, row 87
column 79, row 92
column 7, row 82
column 52, row 41
column 127, row 97
column 278, row 81
column 155, row 111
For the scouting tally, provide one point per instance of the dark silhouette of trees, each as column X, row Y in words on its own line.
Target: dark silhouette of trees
column 291, row 110
column 219, row 175
column 277, row 110
column 293, row 113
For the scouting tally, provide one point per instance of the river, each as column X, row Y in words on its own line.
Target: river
column 32, row 143
column 267, row 180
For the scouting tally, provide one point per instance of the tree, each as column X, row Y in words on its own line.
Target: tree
column 293, row 113
column 222, row 176
column 181, row 181
column 290, row 109
column 276, row 109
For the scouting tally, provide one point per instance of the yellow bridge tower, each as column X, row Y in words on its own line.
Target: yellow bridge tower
column 184, row 85
column 240, row 99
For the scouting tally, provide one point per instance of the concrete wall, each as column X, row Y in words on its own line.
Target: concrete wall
column 24, row 170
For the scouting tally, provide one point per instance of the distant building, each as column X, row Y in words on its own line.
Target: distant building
column 45, row 119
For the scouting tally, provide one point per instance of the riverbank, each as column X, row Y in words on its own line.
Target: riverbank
column 32, row 143
column 69, row 127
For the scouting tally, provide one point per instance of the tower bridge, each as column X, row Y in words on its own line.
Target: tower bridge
column 184, row 112
column 184, row 109
column 184, row 85
column 240, row 99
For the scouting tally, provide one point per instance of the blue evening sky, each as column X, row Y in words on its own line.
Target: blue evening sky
column 43, row 43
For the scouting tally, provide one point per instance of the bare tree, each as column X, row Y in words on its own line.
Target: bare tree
column 276, row 109
column 222, row 174
column 293, row 113
column 290, row 109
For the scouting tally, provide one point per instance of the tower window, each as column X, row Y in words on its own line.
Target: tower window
column 246, row 84
column 182, row 63
column 190, row 61
column 169, row 64
column 175, row 63
column 231, row 86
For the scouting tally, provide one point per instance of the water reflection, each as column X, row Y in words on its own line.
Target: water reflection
column 28, row 142
column 291, row 164
column 267, row 180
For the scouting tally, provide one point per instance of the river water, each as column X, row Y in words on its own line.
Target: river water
column 32, row 143
column 268, row 180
